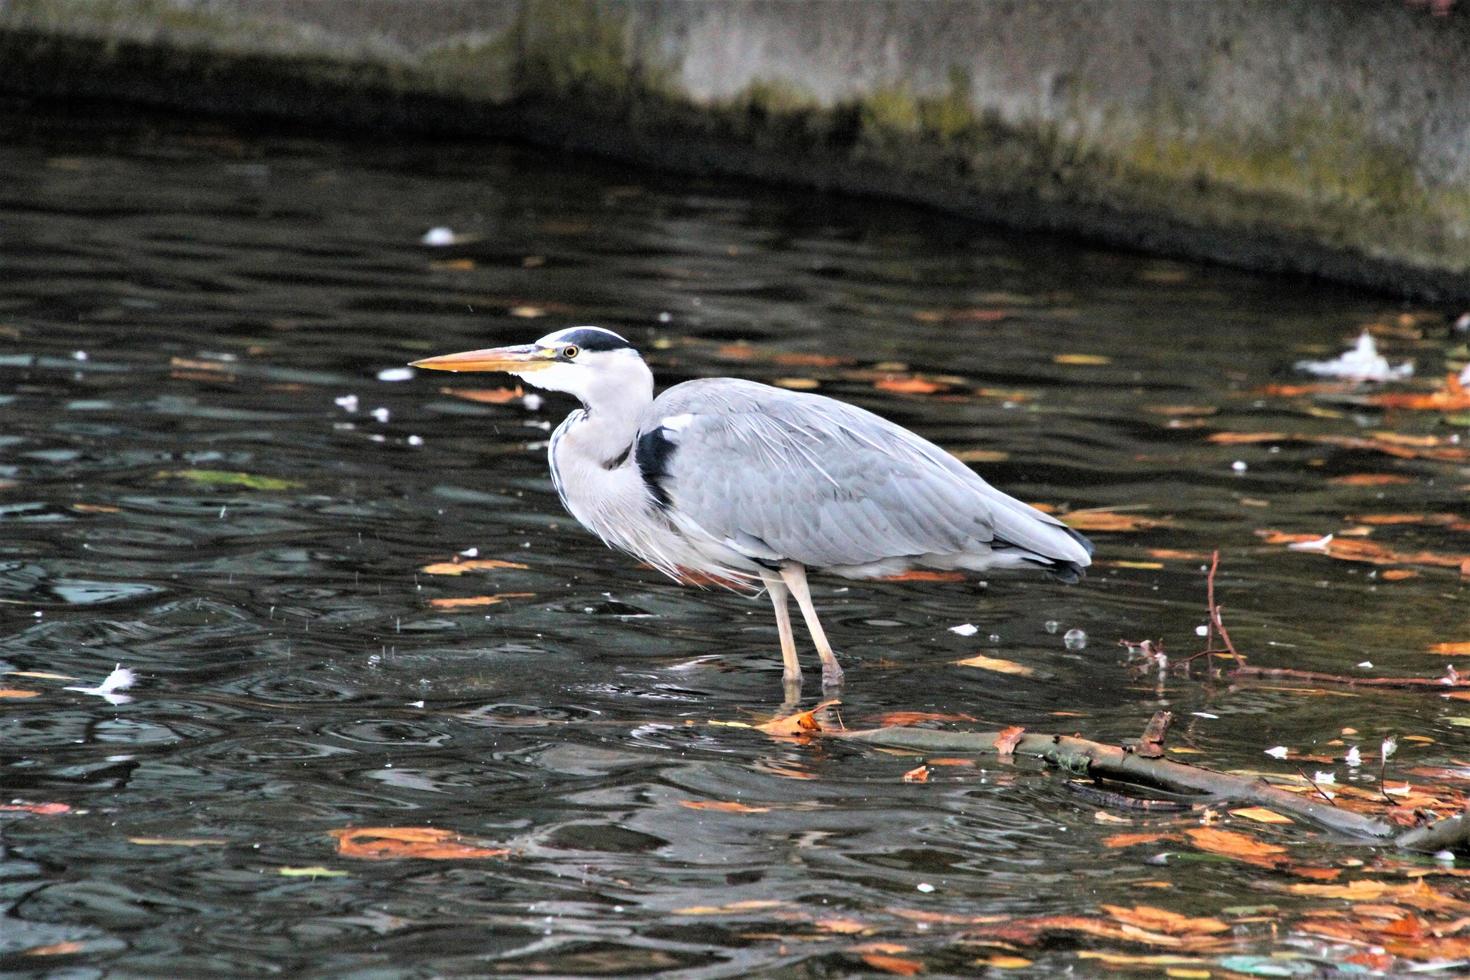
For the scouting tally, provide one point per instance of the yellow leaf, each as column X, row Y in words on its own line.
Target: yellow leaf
column 797, row 384
column 15, row 692
column 315, row 871
column 473, row 565
column 800, row 723
column 724, row 806
column 996, row 664
column 41, row 675
column 177, row 841
column 386, row 843
column 1005, row 962
column 1082, row 359
column 1261, row 815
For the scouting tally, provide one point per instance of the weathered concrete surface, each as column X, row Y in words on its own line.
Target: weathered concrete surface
column 1328, row 138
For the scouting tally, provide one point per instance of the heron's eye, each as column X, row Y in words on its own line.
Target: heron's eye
column 570, row 351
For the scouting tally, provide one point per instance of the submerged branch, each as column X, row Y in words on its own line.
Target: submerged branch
column 1085, row 757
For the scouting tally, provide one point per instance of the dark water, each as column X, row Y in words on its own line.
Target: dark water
column 182, row 306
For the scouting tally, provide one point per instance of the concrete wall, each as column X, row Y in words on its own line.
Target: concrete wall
column 1329, row 138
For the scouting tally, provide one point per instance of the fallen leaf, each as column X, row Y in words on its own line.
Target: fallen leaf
column 1417, row 894
column 40, row 674
column 1131, row 840
column 909, row 386
column 1261, row 815
column 225, row 478
column 981, row 455
column 43, row 809
column 893, row 964
column 1457, row 648
column 1107, row 520
column 1371, row 480
column 56, row 949
column 1397, row 574
column 996, row 664
column 473, row 565
column 95, row 509
column 797, row 724
column 724, row 806
column 747, row 905
column 918, row 774
column 898, row 719
column 1150, row 959
column 1451, row 398
column 1007, row 739
column 797, row 384
column 1081, row 359
column 389, row 843
column 1236, row 845
column 473, row 601
column 1162, row 920
column 315, row 871
column 1004, row 962
column 16, row 692
column 177, row 841
column 486, row 396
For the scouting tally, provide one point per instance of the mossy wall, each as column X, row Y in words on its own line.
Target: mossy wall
column 1329, row 138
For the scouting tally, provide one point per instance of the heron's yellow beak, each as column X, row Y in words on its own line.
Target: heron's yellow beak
column 515, row 360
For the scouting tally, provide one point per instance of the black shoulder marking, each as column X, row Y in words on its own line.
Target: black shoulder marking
column 655, row 450
column 594, row 339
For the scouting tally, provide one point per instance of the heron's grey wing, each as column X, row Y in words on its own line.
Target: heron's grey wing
column 786, row 475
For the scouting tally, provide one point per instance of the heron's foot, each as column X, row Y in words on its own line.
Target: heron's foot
column 831, row 675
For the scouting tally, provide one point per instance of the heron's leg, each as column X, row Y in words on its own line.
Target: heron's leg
column 791, row 676
column 794, row 575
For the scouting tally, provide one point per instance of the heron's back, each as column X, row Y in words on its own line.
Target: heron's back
column 781, row 475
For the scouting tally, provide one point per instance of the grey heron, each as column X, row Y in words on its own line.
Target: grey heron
column 752, row 485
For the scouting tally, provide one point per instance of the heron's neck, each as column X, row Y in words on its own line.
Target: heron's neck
column 612, row 410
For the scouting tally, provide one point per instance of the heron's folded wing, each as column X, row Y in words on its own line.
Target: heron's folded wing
column 784, row 475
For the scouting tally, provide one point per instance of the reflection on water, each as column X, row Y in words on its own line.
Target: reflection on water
column 187, row 488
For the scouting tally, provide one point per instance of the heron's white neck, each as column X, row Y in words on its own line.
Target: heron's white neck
column 614, row 402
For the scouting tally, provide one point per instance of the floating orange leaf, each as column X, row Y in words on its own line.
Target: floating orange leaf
column 1007, row 739
column 798, row 724
column 16, row 692
column 893, row 964
column 1235, row 845
column 1371, row 480
column 43, row 809
column 1310, row 388
column 897, row 719
column 1397, row 574
column 1451, row 398
column 1417, row 894
column 388, row 843
column 996, row 664
column 981, row 455
column 1181, row 409
column 473, row 565
column 486, row 396
column 473, row 601
column 57, row 949
column 1088, row 359
column 918, row 774
column 909, row 386
column 1109, row 520
column 81, row 508
column 1132, row 840
column 1389, row 443
column 1162, row 920
column 972, row 315
column 797, row 384
column 1359, row 549
column 1457, row 648
column 724, row 806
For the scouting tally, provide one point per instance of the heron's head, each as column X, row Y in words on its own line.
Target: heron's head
column 594, row 364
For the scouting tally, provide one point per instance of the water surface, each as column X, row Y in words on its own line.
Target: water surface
column 203, row 478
